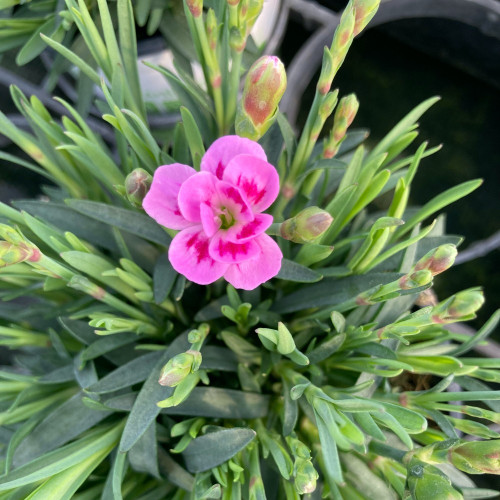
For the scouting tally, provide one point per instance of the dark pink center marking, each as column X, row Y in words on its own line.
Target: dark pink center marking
column 219, row 170
column 200, row 247
column 248, row 230
column 251, row 189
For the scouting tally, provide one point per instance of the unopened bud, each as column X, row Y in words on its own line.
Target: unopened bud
column 195, row 7
column 427, row 481
column 265, row 84
column 328, row 70
column 343, row 36
column 11, row 254
column 305, row 476
column 324, row 111
column 415, row 279
column 364, row 11
column 233, row 3
column 137, row 185
column 437, row 260
column 460, row 307
column 212, row 29
column 252, row 13
column 344, row 116
column 476, row 457
column 307, row 225
column 237, row 39
column 179, row 367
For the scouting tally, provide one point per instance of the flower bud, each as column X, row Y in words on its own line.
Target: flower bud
column 212, row 29
column 179, row 367
column 252, row 13
column 265, row 84
column 415, row 279
column 460, row 307
column 137, row 185
column 237, row 40
column 343, row 36
column 305, row 476
column 426, row 481
column 11, row 254
column 307, row 225
column 344, row 116
column 328, row 70
column 476, row 457
column 364, row 11
column 437, row 260
column 195, row 7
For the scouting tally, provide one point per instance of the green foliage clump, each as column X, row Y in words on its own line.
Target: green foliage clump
column 337, row 378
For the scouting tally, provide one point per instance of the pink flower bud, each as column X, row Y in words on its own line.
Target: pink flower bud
column 476, row 457
column 265, row 84
column 437, row 260
column 11, row 254
column 344, row 116
column 415, row 279
column 306, row 226
column 195, row 7
column 137, row 185
column 462, row 306
column 364, row 11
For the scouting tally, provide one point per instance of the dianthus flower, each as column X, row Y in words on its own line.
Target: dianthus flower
column 218, row 212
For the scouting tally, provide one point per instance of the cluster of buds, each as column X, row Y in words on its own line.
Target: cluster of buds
column 16, row 248
column 460, row 307
column 342, row 120
column 432, row 263
column 264, row 87
column 180, row 366
column 303, row 470
column 281, row 341
column 306, row 226
column 242, row 17
column 137, row 185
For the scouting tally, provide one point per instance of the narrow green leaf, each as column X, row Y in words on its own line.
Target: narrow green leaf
column 63, row 424
column 128, row 220
column 291, row 271
column 222, row 403
column 210, row 450
column 100, row 439
column 193, row 137
column 145, row 409
column 143, row 455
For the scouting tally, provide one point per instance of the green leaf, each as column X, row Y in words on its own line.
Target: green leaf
column 143, row 455
column 113, row 486
column 402, row 127
column 210, row 450
column 330, row 292
column 128, row 220
column 437, row 203
column 411, row 421
column 63, row 424
column 101, row 439
column 163, row 278
column 127, row 375
column 291, row 271
column 481, row 335
column 63, row 485
column 107, row 344
column 215, row 402
column 145, row 409
column 86, row 69
column 193, row 136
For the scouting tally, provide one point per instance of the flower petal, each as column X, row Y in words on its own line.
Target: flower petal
column 256, row 178
column 160, row 202
column 252, row 273
column 198, row 189
column 242, row 233
column 224, row 149
column 188, row 253
column 222, row 250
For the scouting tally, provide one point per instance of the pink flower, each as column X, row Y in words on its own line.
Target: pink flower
column 218, row 211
